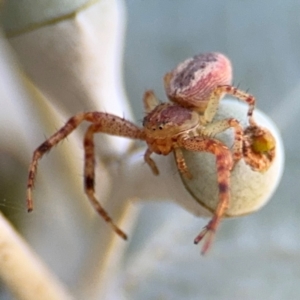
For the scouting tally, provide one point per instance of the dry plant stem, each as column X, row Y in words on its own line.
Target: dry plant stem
column 21, row 271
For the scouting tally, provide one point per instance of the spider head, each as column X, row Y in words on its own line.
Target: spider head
column 167, row 120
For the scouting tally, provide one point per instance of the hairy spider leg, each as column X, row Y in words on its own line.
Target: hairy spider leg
column 211, row 129
column 102, row 122
column 181, row 164
column 216, row 96
column 224, row 165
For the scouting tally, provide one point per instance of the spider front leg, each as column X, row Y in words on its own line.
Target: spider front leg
column 102, row 122
column 89, row 176
column 211, row 129
column 216, row 96
column 46, row 146
column 181, row 164
column 224, row 165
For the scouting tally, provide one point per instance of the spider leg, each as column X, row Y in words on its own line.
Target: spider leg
column 211, row 129
column 217, row 95
column 181, row 165
column 45, row 147
column 224, row 165
column 89, row 176
column 109, row 124
column 150, row 101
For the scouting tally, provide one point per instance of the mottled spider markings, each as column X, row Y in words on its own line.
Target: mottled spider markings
column 195, row 87
column 201, row 82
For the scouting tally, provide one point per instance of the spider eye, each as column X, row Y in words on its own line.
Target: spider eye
column 160, row 127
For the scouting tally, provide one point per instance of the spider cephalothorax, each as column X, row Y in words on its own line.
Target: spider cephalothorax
column 195, row 87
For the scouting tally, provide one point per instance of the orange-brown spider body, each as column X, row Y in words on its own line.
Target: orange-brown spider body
column 170, row 127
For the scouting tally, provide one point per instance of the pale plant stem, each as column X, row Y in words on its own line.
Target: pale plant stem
column 22, row 272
